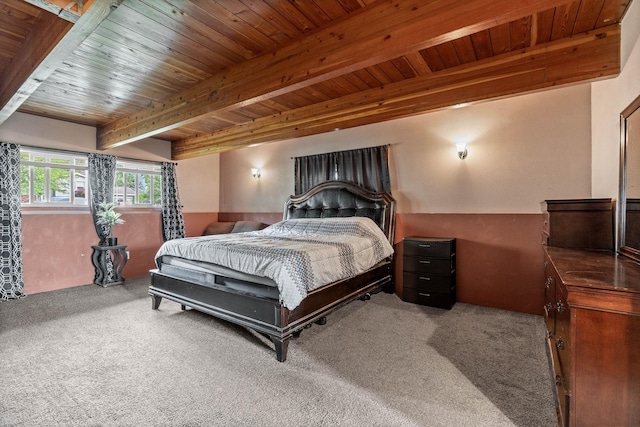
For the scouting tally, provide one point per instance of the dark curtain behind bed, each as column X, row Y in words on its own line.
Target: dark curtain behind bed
column 367, row 167
column 11, row 277
column 312, row 170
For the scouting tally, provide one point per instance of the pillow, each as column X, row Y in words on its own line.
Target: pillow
column 218, row 228
column 243, row 226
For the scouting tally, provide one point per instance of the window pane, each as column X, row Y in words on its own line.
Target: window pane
column 118, row 196
column 38, row 184
column 130, row 189
column 59, row 185
column 80, row 185
column 157, row 190
column 60, row 161
column 144, row 188
column 25, row 183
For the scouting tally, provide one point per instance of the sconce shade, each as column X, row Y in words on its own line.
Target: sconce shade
column 462, row 151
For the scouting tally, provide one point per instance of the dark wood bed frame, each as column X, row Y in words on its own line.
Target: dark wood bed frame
column 268, row 316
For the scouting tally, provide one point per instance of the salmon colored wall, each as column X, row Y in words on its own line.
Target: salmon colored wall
column 265, row 217
column 57, row 251
column 57, row 246
column 499, row 256
column 196, row 222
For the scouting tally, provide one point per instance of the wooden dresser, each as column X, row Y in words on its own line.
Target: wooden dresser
column 592, row 313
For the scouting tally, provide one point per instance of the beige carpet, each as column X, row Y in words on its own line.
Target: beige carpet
column 91, row 356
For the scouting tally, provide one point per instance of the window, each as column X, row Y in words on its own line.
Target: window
column 53, row 178
column 137, row 184
column 49, row 177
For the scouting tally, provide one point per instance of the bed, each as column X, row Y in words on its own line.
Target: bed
column 257, row 302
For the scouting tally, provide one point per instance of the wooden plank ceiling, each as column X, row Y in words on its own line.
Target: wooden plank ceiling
column 211, row 76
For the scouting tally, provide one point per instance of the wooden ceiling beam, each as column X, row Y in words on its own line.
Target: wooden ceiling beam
column 61, row 10
column 382, row 31
column 50, row 41
column 590, row 56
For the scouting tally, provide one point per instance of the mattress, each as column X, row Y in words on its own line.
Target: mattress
column 211, row 275
column 297, row 255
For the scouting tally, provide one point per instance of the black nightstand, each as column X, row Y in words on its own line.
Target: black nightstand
column 108, row 262
column 429, row 271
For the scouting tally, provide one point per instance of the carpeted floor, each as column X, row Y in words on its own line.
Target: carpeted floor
column 91, row 356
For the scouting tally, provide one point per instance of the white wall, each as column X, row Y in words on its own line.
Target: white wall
column 522, row 150
column 26, row 129
column 608, row 99
column 199, row 183
column 197, row 178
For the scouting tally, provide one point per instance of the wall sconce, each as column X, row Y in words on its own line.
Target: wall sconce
column 462, row 150
column 256, row 173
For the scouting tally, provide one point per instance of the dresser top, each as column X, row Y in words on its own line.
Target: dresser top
column 430, row 239
column 595, row 269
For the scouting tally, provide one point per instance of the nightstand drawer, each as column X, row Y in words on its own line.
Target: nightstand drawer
column 443, row 267
column 434, row 299
column 426, row 282
column 433, row 248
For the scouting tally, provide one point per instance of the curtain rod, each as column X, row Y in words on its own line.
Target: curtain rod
column 341, row 151
column 72, row 152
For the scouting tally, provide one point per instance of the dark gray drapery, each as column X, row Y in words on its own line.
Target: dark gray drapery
column 102, row 177
column 368, row 167
column 312, row 170
column 172, row 218
column 11, row 277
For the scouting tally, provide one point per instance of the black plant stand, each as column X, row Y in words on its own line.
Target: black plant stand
column 109, row 262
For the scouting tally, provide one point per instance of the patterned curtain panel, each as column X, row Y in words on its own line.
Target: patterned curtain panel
column 11, row 279
column 172, row 219
column 312, row 170
column 102, row 177
column 367, row 167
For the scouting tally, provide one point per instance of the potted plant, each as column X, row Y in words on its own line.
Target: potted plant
column 107, row 218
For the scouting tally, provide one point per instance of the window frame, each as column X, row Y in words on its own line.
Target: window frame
column 136, row 167
column 73, row 168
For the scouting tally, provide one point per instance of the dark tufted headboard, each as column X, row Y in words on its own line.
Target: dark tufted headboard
column 344, row 199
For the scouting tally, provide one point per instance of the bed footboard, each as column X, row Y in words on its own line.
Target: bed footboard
column 267, row 316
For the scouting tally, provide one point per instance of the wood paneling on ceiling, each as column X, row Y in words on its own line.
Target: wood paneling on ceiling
column 211, row 76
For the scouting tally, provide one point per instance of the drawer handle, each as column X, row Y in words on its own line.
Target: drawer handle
column 425, row 262
column 560, row 344
column 424, row 278
column 548, row 307
column 559, row 307
column 422, row 294
column 425, row 246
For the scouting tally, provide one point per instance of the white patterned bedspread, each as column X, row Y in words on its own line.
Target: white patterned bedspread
column 299, row 255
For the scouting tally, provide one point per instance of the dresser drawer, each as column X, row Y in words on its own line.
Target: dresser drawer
column 432, row 248
column 433, row 299
column 425, row 282
column 443, row 267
